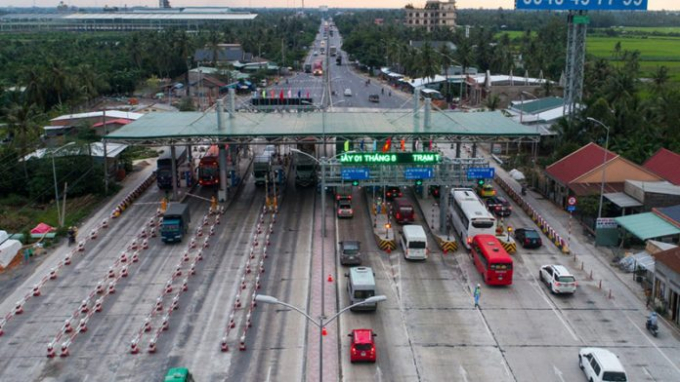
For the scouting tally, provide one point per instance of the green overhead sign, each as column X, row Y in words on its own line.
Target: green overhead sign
column 390, row 158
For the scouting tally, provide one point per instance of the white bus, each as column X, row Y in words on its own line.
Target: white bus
column 469, row 215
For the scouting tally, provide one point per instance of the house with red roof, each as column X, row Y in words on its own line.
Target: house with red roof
column 666, row 164
column 103, row 128
column 581, row 173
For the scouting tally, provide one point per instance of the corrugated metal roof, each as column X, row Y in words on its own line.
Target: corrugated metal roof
column 622, row 200
column 647, row 226
column 197, row 124
column 661, row 187
column 538, row 105
column 93, row 114
column 672, row 214
column 161, row 16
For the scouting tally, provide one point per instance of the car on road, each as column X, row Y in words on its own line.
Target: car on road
column 601, row 365
column 374, row 98
column 528, row 238
column 345, row 207
column 348, row 92
column 499, row 206
column 392, row 192
column 558, row 279
column 486, row 191
column 316, row 52
column 362, row 348
column 350, row 252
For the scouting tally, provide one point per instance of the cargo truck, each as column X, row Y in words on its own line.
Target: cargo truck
column 175, row 222
column 262, row 165
column 333, row 50
column 305, row 167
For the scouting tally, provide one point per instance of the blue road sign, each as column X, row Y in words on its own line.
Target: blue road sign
column 414, row 173
column 355, row 173
column 481, row 173
column 582, row 5
column 571, row 208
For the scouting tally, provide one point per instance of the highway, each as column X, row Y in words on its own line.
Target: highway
column 428, row 329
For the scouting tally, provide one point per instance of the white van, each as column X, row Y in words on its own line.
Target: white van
column 414, row 242
column 361, row 285
column 601, row 365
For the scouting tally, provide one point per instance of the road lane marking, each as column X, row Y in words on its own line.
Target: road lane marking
column 558, row 373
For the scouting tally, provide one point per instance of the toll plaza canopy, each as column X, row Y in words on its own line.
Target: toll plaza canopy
column 165, row 128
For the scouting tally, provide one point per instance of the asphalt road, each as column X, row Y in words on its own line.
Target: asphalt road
column 428, row 329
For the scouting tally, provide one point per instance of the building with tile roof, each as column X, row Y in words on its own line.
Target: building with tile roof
column 666, row 164
column 666, row 284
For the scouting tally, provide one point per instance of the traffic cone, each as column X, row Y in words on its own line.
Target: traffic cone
column 237, row 304
column 64, row 350
column 133, row 245
column 147, row 325
column 330, row 278
column 165, row 325
column 50, row 351
column 178, row 270
column 111, row 273
column 98, row 304
column 224, row 347
column 81, row 246
column 36, row 290
column 124, row 271
column 134, row 347
column 99, row 289
column 143, row 233
column 168, row 287
column 212, row 231
column 67, row 326
column 53, row 273
column 19, row 308
column 82, row 326
column 135, row 257
column 175, row 303
column 152, row 232
column 232, row 324
column 242, row 343
column 199, row 232
column 159, row 304
column 93, row 234
column 199, row 256
column 152, row 346
column 105, row 223
column 192, row 244
column 192, row 270
column 112, row 288
column 145, row 244
column 206, row 243
column 185, row 286
column 123, row 258
column 67, row 260
column 83, row 307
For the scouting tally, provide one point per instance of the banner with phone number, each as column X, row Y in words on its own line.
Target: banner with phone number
column 582, row 5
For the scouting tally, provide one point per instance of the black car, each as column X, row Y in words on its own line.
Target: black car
column 392, row 192
column 528, row 237
column 499, row 206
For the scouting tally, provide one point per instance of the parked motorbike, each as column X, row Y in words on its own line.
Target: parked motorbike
column 523, row 191
column 652, row 324
column 72, row 232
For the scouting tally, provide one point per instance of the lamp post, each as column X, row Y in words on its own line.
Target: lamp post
column 604, row 161
column 322, row 322
column 323, row 161
column 56, row 189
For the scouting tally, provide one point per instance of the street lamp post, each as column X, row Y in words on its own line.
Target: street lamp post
column 56, row 189
column 321, row 324
column 604, row 161
column 323, row 161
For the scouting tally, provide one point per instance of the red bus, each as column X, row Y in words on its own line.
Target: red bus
column 491, row 260
column 209, row 167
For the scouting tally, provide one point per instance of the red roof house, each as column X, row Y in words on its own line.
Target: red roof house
column 666, row 164
column 578, row 163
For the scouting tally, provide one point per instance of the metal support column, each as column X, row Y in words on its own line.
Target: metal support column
column 173, row 160
column 443, row 207
column 576, row 50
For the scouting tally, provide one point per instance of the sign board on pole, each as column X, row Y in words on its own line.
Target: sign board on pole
column 581, row 5
column 418, row 173
column 481, row 173
column 355, row 173
column 571, row 208
column 605, row 223
column 571, row 201
column 376, row 158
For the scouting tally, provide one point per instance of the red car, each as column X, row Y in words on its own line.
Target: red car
column 362, row 348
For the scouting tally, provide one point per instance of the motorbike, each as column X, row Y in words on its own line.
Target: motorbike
column 71, row 236
column 652, row 324
column 523, row 191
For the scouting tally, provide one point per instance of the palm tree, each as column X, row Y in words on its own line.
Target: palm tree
column 60, row 80
column 660, row 78
column 465, row 55
column 428, row 62
column 23, row 123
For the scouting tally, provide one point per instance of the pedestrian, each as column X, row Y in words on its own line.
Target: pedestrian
column 390, row 94
column 477, row 294
column 382, row 91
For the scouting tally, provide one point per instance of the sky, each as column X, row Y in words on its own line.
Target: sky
column 507, row 4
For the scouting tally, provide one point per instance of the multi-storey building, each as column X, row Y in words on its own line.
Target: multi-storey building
column 436, row 14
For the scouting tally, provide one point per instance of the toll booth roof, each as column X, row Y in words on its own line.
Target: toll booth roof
column 179, row 125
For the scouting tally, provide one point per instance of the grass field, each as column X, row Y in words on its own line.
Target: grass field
column 655, row 51
column 650, row 29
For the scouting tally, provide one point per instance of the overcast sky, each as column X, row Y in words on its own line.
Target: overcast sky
column 653, row 4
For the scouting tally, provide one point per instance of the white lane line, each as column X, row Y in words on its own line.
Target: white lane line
column 558, row 373
column 653, row 344
column 463, row 373
column 536, row 285
column 269, row 374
